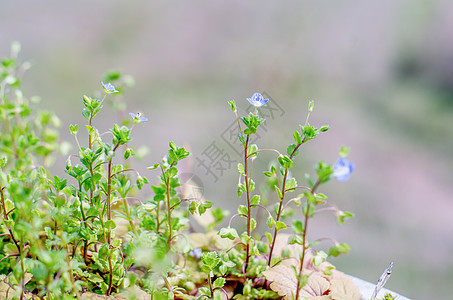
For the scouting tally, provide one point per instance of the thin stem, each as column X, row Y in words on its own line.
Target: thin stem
column 249, row 213
column 231, row 219
column 167, row 184
column 71, row 275
column 109, row 215
column 126, row 208
column 280, row 210
column 304, row 240
column 262, row 150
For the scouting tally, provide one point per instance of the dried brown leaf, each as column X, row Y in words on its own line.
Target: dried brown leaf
column 319, row 286
column 283, row 280
column 343, row 288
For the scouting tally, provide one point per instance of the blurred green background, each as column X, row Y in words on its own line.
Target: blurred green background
column 380, row 72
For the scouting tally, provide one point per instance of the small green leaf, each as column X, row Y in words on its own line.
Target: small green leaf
column 74, row 129
column 255, row 200
column 242, row 209
column 252, row 224
column 155, row 166
column 241, row 169
column 310, row 106
column 297, row 137
column 3, row 161
column 86, row 113
column 285, row 161
column 251, row 150
column 291, row 149
column 219, row 282
column 324, row 128
column 298, row 226
column 280, row 225
column 279, row 192
column 267, row 174
column 116, row 243
column 344, row 151
column 270, row 222
column 229, row 233
column 341, row 216
column 290, row 184
column 339, row 249
column 319, row 258
column 110, row 224
column 232, row 105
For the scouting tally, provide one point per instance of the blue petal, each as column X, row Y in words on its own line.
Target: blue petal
column 257, row 97
column 132, row 115
column 343, row 169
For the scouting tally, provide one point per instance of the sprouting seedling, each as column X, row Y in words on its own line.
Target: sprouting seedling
column 382, row 280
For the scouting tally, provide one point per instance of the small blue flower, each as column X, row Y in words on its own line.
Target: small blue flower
column 343, row 169
column 138, row 118
column 257, row 100
column 196, row 253
column 109, row 88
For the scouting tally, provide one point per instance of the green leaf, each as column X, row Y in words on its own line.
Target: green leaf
column 219, row 282
column 74, row 129
column 310, row 106
column 290, row 184
column 3, row 161
column 251, row 150
column 242, row 209
column 232, row 105
column 229, row 233
column 128, row 153
column 280, row 225
column 285, row 161
column 296, row 239
column 241, row 169
column 298, row 227
column 95, row 278
column 86, row 113
column 291, row 149
column 255, row 200
column 324, row 128
column 279, row 192
column 110, row 224
column 252, row 224
column 270, row 222
column 319, row 258
column 341, row 216
column 344, row 151
column 309, row 132
column 297, row 137
column 339, row 249
column 116, row 243
column 155, row 166
column 204, row 206
column 241, row 189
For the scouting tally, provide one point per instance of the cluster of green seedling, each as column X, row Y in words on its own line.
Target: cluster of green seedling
column 93, row 231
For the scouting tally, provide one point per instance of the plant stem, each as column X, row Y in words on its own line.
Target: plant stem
column 167, row 183
column 126, row 209
column 247, row 187
column 109, row 215
column 280, row 210
column 304, row 240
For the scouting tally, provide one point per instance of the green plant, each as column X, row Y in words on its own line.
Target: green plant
column 93, row 233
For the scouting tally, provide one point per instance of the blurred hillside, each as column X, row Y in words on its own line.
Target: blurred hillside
column 381, row 75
